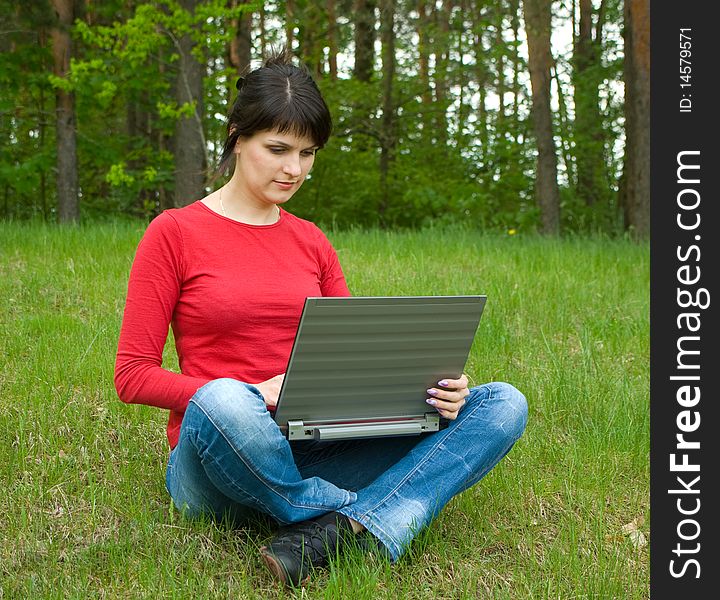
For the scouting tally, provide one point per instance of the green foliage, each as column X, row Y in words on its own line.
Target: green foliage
column 130, row 69
column 459, row 160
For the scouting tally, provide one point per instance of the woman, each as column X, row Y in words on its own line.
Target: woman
column 230, row 273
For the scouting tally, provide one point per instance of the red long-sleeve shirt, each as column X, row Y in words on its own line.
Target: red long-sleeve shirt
column 233, row 294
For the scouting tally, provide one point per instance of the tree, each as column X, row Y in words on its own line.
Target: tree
column 499, row 18
column 635, row 189
column 312, row 33
column 421, row 134
column 589, row 136
column 67, row 171
column 290, row 23
column 482, row 77
column 190, row 147
column 424, row 64
column 27, row 112
column 440, row 73
column 364, row 39
column 537, row 24
column 387, row 134
column 332, row 39
column 514, row 10
column 239, row 49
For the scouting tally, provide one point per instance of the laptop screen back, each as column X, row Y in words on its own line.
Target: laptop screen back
column 370, row 358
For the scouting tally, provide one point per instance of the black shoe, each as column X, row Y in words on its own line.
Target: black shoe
column 372, row 546
column 294, row 551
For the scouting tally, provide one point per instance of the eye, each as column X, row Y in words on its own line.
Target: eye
column 277, row 149
column 308, row 153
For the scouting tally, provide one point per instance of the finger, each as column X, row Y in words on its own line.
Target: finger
column 447, row 414
column 446, row 406
column 449, row 395
column 454, row 384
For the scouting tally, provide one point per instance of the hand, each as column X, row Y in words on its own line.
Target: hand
column 450, row 400
column 270, row 389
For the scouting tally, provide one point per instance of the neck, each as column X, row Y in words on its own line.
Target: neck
column 233, row 206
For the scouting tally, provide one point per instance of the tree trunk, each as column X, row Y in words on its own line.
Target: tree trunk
column 67, row 172
column 592, row 184
column 515, row 25
column 190, row 149
column 332, row 40
column 635, row 191
column 424, row 66
column 289, row 23
column 462, row 74
column 481, row 76
column 240, row 49
column 137, row 122
column 310, row 36
column 387, row 136
column 42, row 125
column 537, row 24
column 263, row 30
column 163, row 140
column 500, row 43
column 441, row 45
column 364, row 39
column 564, row 127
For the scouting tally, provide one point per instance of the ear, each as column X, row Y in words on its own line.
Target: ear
column 238, row 145
column 231, row 132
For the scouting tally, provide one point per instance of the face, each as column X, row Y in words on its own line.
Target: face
column 272, row 166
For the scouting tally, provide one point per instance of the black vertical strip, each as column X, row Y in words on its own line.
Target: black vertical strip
column 685, row 300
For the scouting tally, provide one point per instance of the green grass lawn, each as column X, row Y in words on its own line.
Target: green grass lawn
column 83, row 508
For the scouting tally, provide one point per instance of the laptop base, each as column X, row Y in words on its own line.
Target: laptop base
column 321, row 432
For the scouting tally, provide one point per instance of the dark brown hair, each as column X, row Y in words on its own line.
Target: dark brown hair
column 276, row 96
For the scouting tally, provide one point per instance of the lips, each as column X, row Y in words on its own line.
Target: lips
column 286, row 185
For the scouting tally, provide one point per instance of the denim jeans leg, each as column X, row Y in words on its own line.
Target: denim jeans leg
column 194, row 493
column 409, row 494
column 231, row 452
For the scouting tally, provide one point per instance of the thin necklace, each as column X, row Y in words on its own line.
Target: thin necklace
column 222, row 207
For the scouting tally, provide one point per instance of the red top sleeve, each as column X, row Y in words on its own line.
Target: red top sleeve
column 153, row 290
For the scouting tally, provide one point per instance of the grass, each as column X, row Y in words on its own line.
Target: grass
column 84, row 512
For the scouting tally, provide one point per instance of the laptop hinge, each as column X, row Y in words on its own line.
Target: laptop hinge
column 297, row 431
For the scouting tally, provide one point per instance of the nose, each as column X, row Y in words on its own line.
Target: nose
column 292, row 165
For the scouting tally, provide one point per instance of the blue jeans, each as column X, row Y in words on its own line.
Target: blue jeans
column 232, row 460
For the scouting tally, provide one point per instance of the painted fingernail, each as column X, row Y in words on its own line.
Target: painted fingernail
column 431, row 391
column 431, row 401
column 443, row 383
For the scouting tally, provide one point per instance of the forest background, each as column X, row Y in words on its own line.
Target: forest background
column 510, row 116
column 506, row 114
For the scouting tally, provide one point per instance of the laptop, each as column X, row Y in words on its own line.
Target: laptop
column 360, row 366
